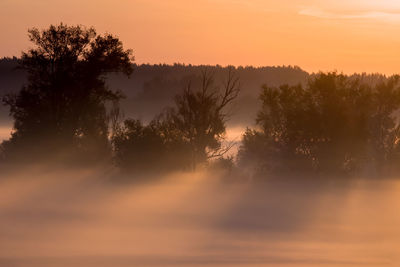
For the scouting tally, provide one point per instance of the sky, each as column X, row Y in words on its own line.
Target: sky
column 344, row 35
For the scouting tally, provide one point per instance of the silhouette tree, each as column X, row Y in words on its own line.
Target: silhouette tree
column 153, row 147
column 384, row 127
column 336, row 123
column 192, row 132
column 64, row 103
column 200, row 116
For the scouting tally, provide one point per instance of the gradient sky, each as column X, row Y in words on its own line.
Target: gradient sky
column 348, row 35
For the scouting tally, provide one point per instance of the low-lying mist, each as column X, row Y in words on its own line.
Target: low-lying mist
column 98, row 217
column 5, row 131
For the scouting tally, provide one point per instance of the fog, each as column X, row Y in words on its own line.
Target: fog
column 233, row 135
column 99, row 218
column 116, row 164
column 5, row 131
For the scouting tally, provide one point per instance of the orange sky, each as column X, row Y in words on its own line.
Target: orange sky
column 349, row 35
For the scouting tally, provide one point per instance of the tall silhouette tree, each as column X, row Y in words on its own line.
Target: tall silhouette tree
column 64, row 102
column 189, row 133
column 200, row 116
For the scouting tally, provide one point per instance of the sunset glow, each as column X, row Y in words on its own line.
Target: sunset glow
column 215, row 133
column 350, row 36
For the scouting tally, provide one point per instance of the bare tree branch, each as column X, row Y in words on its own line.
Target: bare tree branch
column 222, row 151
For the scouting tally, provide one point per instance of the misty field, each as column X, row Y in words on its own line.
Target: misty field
column 94, row 218
column 131, row 145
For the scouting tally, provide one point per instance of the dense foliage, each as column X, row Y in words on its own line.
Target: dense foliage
column 334, row 124
column 64, row 102
column 156, row 146
column 185, row 135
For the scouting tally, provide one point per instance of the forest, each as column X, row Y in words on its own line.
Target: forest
column 77, row 97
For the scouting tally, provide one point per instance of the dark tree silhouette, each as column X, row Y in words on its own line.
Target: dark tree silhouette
column 192, row 132
column 334, row 124
column 153, row 147
column 200, row 116
column 64, row 103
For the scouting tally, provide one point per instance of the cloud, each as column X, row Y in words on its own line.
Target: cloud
column 328, row 14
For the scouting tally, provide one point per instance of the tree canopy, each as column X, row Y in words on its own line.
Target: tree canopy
column 64, row 102
column 200, row 115
column 333, row 124
column 187, row 134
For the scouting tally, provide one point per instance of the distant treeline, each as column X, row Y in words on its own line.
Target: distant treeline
column 72, row 83
column 151, row 88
